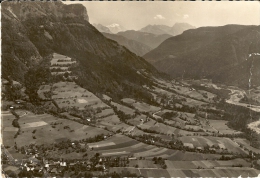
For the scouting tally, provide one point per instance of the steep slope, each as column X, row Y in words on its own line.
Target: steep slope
column 207, row 52
column 148, row 39
column 176, row 29
column 102, row 28
column 134, row 46
column 33, row 30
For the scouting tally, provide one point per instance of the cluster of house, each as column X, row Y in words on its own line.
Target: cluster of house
column 54, row 168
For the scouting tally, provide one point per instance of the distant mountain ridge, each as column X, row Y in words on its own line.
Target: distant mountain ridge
column 176, row 29
column 217, row 53
column 136, row 47
column 148, row 39
column 112, row 28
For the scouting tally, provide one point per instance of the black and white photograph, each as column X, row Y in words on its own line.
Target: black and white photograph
column 120, row 89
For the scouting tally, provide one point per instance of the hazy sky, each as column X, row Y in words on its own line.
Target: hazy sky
column 135, row 15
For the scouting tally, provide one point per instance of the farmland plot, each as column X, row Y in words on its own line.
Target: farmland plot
column 138, row 120
column 53, row 130
column 222, row 142
column 57, row 57
column 221, row 126
column 144, row 107
column 125, row 109
column 220, row 172
column 207, row 164
column 119, row 144
column 8, row 130
column 246, row 145
column 128, row 100
column 192, row 102
column 143, row 164
column 113, row 123
column 105, row 112
column 68, row 94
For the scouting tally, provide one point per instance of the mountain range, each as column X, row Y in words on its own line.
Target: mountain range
column 142, row 41
column 176, row 29
column 148, row 39
column 218, row 53
column 31, row 32
column 115, row 28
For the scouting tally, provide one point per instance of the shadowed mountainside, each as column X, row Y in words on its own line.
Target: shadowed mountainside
column 217, row 53
column 31, row 31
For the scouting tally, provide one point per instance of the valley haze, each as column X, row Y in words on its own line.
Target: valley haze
column 113, row 89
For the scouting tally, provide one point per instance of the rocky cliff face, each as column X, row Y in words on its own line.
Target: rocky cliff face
column 26, row 10
column 28, row 32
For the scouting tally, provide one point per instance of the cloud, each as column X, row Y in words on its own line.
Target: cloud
column 185, row 16
column 160, row 17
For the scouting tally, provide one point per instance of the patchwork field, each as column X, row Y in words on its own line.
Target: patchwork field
column 8, row 130
column 177, row 165
column 59, row 59
column 246, row 145
column 60, row 64
column 206, row 164
column 68, row 94
column 218, row 172
column 122, row 145
column 221, row 142
column 200, row 97
column 143, row 164
column 46, row 129
column 158, row 127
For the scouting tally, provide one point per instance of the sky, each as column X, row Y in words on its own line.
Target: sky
column 134, row 15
